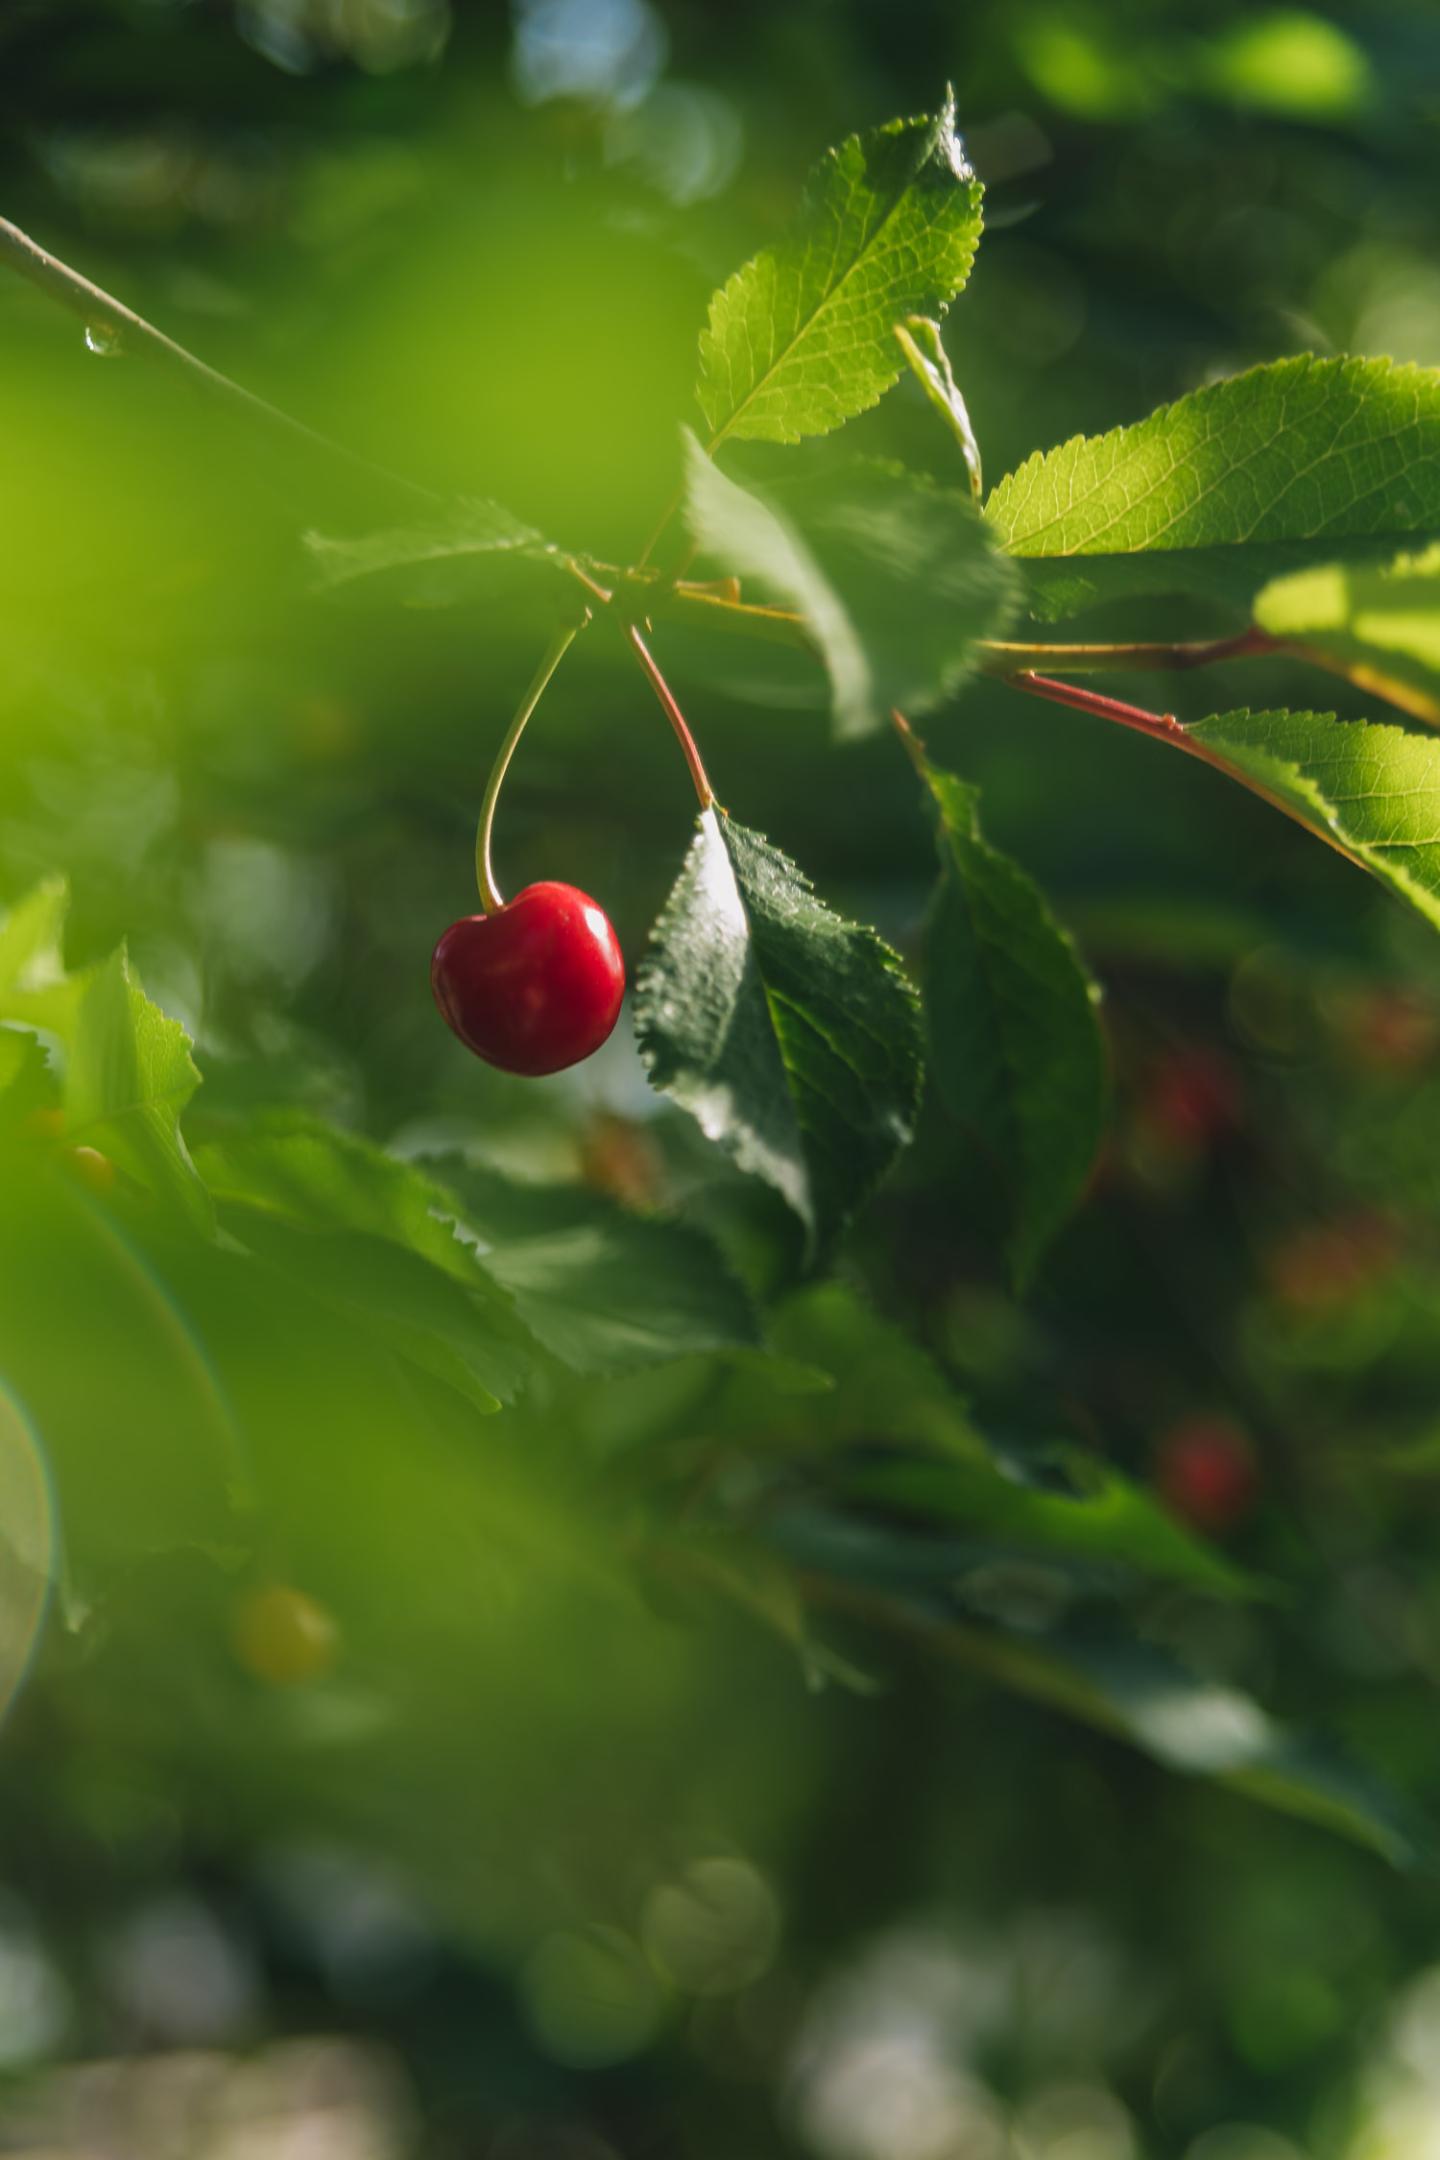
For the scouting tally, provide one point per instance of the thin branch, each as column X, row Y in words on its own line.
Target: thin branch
column 703, row 605
column 1155, row 656
column 100, row 310
column 1164, row 727
column 674, row 715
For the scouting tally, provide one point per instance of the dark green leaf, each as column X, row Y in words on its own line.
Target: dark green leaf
column 1099, row 1516
column 1198, row 1726
column 895, row 578
column 1016, row 1050
column 372, row 1234
column 603, row 1290
column 790, row 1035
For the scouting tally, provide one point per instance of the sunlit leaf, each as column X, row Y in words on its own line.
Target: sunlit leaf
column 1373, row 791
column 1299, row 450
column 801, row 338
column 1379, row 626
column 924, row 348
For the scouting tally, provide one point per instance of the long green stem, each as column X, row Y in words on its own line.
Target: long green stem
column 997, row 656
column 1153, row 655
column 484, row 869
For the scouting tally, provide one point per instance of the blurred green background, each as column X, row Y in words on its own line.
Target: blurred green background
column 559, row 1859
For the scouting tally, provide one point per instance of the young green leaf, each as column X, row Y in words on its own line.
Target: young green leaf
column 790, row 1035
column 35, row 988
column 896, row 578
column 924, row 348
column 801, row 339
column 1015, row 1046
column 127, row 1068
column 1058, row 586
column 128, row 1076
column 1372, row 791
column 1379, row 626
column 30, row 940
column 470, row 544
column 1302, row 450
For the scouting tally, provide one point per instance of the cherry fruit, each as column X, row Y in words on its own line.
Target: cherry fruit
column 535, row 986
column 1206, row 1472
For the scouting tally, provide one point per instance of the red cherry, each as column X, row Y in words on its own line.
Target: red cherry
column 1206, row 1472
column 537, row 985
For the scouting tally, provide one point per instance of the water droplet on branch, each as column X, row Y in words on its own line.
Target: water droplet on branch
column 103, row 338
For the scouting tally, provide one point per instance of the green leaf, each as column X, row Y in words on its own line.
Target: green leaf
column 371, row 1234
column 100, row 1355
column 128, row 1076
column 1203, row 1728
column 1300, row 450
column 26, row 1084
column 790, row 1035
column 1059, row 586
column 457, row 1331
column 924, row 348
column 1102, row 1678
column 1372, row 791
column 801, row 339
column 35, row 989
column 1015, row 1045
column 31, row 937
column 1380, row 627
column 470, row 544
column 895, row 577
column 603, row 1290
column 128, row 1072
column 1100, row 1517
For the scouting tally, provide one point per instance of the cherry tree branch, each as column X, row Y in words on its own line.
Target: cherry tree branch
column 100, row 311
column 1164, row 727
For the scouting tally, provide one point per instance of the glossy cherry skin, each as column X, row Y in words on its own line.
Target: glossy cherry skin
column 537, row 985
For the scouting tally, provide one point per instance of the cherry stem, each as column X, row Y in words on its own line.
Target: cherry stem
column 674, row 715
column 484, row 869
column 97, row 308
